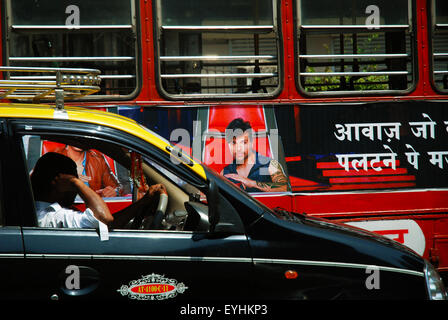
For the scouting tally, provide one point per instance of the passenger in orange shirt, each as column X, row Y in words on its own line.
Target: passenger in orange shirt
column 93, row 170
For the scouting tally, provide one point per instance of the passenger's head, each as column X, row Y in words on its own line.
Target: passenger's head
column 46, row 169
column 239, row 139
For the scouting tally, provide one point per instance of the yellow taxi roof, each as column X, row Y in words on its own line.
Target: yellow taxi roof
column 40, row 111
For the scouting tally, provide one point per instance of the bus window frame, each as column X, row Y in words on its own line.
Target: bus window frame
column 136, row 31
column 412, row 17
column 277, row 30
column 432, row 21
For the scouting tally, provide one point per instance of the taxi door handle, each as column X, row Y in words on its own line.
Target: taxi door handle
column 79, row 280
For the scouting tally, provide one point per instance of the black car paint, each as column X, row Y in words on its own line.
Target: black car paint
column 247, row 262
column 331, row 258
column 336, row 258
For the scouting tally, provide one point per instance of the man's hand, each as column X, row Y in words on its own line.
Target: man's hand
column 107, row 192
column 151, row 197
column 247, row 183
column 154, row 190
column 64, row 182
column 279, row 181
column 147, row 205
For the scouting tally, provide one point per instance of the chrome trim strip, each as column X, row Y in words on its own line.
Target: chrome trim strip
column 353, row 56
column 117, row 76
column 362, row 26
column 338, row 74
column 138, row 257
column 221, row 75
column 218, row 58
column 71, row 27
column 114, row 76
column 223, row 259
column 241, row 27
column 336, row 264
column 99, row 58
column 12, row 255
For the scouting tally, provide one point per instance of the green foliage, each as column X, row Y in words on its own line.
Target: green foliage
column 336, row 83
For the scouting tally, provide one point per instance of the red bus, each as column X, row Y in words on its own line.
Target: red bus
column 350, row 97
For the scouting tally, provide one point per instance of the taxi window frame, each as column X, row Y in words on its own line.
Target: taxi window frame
column 47, row 127
column 16, row 210
column 109, row 134
column 2, row 195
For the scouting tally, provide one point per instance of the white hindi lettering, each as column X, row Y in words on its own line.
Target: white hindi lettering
column 362, row 160
column 360, row 163
column 420, row 129
column 345, row 132
column 393, row 131
column 391, row 162
column 369, row 130
column 412, row 157
column 389, row 130
column 437, row 158
column 343, row 161
column 375, row 160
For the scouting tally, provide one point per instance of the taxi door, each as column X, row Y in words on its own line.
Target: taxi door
column 126, row 264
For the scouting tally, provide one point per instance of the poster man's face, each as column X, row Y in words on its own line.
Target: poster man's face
column 240, row 147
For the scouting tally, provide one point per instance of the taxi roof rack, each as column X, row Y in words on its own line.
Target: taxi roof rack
column 54, row 84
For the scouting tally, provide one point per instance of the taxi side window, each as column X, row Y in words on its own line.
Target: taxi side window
column 100, row 172
column 129, row 173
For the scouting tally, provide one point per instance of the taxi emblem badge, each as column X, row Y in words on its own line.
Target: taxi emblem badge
column 152, row 287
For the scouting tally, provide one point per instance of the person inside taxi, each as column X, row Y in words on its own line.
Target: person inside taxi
column 55, row 184
column 93, row 170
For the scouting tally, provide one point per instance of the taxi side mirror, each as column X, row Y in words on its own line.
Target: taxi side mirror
column 222, row 216
column 213, row 205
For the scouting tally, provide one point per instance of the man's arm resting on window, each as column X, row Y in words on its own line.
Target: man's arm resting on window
column 91, row 199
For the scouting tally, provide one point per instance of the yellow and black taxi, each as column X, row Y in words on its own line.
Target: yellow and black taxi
column 214, row 241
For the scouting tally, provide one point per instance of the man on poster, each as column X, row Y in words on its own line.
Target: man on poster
column 250, row 170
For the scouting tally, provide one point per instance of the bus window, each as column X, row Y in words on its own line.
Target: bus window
column 354, row 47
column 98, row 34
column 440, row 45
column 214, row 48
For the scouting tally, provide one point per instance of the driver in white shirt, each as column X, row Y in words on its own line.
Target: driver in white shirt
column 55, row 185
